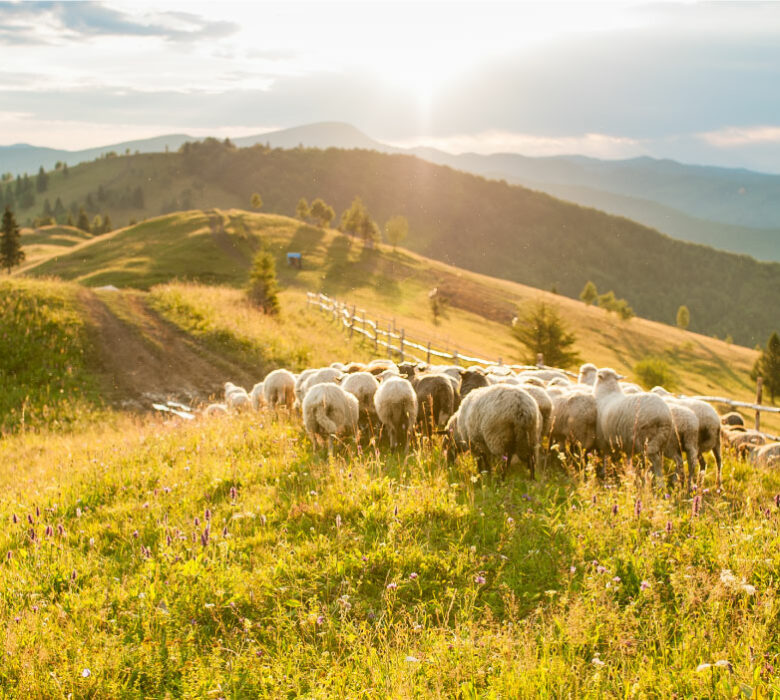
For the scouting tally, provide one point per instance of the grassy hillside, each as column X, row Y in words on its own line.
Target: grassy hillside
column 45, row 357
column 44, row 242
column 390, row 286
column 225, row 558
column 487, row 226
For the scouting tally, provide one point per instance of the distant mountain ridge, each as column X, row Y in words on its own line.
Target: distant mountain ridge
column 731, row 209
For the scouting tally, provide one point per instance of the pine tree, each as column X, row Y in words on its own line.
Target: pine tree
column 683, row 317
column 257, row 202
column 263, row 288
column 321, row 212
column 107, row 225
column 541, row 330
column 768, row 366
column 589, row 293
column 83, row 221
column 42, row 181
column 302, row 210
column 11, row 253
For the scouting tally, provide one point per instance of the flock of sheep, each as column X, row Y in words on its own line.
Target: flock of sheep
column 499, row 414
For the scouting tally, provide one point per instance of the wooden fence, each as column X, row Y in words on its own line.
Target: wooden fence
column 399, row 345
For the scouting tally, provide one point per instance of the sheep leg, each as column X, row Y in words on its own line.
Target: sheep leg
column 691, row 455
column 718, row 462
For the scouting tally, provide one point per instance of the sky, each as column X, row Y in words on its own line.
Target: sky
column 696, row 82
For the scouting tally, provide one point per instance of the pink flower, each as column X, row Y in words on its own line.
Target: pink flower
column 600, row 569
column 413, row 576
column 644, row 585
column 479, row 579
column 392, row 586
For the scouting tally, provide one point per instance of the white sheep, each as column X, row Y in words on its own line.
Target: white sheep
column 501, row 421
column 363, row 386
column 300, row 380
column 709, row 429
column 573, row 420
column 236, row 397
column 765, row 455
column 324, row 375
column 279, row 388
column 215, row 409
column 396, row 405
column 587, row 374
column 328, row 412
column 684, row 439
column 544, row 402
column 256, row 396
column 635, row 424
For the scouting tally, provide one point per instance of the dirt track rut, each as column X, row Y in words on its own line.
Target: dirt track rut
column 144, row 358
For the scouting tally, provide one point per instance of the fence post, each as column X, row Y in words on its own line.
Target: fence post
column 455, row 358
column 394, row 331
column 401, row 343
column 389, row 342
column 376, row 338
column 759, row 396
column 352, row 321
column 428, row 354
column 539, row 360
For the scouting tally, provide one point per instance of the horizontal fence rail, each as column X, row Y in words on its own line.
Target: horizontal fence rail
column 349, row 319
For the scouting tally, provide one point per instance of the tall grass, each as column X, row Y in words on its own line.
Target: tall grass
column 44, row 346
column 223, row 318
column 226, row 559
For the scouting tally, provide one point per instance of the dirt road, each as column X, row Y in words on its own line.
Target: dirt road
column 143, row 358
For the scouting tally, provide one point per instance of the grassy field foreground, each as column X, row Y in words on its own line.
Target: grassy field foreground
column 224, row 558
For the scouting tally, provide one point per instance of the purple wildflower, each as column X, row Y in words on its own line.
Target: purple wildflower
column 169, row 540
column 225, row 531
column 593, row 500
column 30, row 519
column 777, row 501
column 10, row 555
column 413, row 576
column 696, row 507
column 668, row 526
column 135, row 534
column 73, row 575
column 616, row 579
column 204, row 537
column 638, row 508
column 60, row 530
column 16, row 520
column 31, row 532
column 644, row 585
column 207, row 515
column 197, row 521
column 614, row 509
column 233, row 493
column 392, row 586
column 479, row 579
column 37, row 512
column 320, row 620
column 600, row 569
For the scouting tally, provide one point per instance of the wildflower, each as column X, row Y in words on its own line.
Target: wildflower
column 747, row 588
column 207, row 515
column 727, row 578
column 16, row 520
column 696, row 507
column 86, row 673
column 91, row 541
column 30, row 519
column 723, row 663
column 78, row 512
column 638, row 508
column 31, row 532
column 204, row 537
column 596, row 661
column 479, row 579
column 600, row 569
column 668, row 526
column 777, row 501
column 413, row 576
column 593, row 500
column 135, row 534
column 412, row 659
column 510, row 521
column 614, row 509
column 49, row 531
column 146, row 505
column 169, row 540
column 338, row 522
column 572, row 569
column 37, row 512
column 392, row 586
column 616, row 579
column 225, row 531
column 60, row 530
column 703, row 667
column 320, row 620
column 197, row 521
column 526, row 497
column 644, row 585
column 768, row 513
column 73, row 575
column 10, row 555
column 395, row 510
column 233, row 493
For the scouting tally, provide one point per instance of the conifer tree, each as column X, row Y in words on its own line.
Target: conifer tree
column 11, row 253
column 263, row 288
column 541, row 330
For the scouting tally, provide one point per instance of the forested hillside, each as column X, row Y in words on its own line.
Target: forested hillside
column 484, row 225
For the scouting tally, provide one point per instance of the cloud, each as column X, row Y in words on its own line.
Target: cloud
column 41, row 22
column 732, row 137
